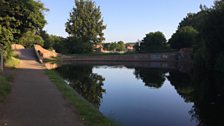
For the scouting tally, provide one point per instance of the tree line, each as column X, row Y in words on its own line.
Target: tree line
column 202, row 32
column 23, row 21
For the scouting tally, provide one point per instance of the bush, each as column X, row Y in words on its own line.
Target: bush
column 30, row 38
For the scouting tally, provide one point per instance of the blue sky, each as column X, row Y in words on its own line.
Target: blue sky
column 127, row 20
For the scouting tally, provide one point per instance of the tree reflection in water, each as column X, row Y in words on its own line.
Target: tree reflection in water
column 86, row 83
column 151, row 77
column 206, row 91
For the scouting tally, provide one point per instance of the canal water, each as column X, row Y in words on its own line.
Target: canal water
column 144, row 96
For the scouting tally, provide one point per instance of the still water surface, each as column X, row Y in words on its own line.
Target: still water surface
column 136, row 96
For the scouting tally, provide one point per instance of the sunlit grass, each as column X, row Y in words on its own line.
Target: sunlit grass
column 12, row 62
column 89, row 114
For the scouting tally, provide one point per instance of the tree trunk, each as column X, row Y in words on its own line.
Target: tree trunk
column 2, row 65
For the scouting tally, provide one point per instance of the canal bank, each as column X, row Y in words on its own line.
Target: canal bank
column 34, row 100
column 89, row 114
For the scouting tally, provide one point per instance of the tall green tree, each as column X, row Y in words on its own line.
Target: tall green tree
column 153, row 41
column 27, row 15
column 185, row 37
column 17, row 17
column 211, row 48
column 85, row 24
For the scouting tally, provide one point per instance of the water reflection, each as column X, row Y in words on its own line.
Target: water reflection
column 206, row 91
column 208, row 98
column 183, row 84
column 86, row 83
column 151, row 77
column 203, row 90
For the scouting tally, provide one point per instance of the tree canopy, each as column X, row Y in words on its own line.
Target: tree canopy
column 18, row 17
column 153, row 41
column 30, row 38
column 85, row 25
column 25, row 15
column 203, row 31
column 185, row 37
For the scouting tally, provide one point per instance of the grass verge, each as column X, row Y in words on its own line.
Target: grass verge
column 90, row 115
column 12, row 62
column 5, row 87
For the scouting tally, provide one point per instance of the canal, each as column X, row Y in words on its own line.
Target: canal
column 144, row 96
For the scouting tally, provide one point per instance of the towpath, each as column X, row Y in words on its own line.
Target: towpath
column 34, row 100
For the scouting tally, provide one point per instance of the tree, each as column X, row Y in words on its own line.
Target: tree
column 113, row 46
column 86, row 24
column 153, row 41
column 27, row 15
column 17, row 17
column 185, row 37
column 210, row 49
column 121, row 46
column 53, row 42
column 6, row 38
column 30, row 38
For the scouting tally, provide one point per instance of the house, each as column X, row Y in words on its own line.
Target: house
column 130, row 47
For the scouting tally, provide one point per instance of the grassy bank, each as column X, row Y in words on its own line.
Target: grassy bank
column 12, row 62
column 90, row 115
column 5, row 87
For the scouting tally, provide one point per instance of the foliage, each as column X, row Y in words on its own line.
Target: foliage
column 54, row 42
column 6, row 38
column 208, row 52
column 77, row 46
column 85, row 25
column 29, row 38
column 205, row 36
column 89, row 114
column 185, row 37
column 12, row 62
column 28, row 15
column 153, row 41
column 17, row 17
column 114, row 46
column 121, row 46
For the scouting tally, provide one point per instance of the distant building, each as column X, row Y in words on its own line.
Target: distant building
column 98, row 48
column 130, row 47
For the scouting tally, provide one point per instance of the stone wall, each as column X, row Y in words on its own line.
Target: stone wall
column 45, row 54
column 155, row 57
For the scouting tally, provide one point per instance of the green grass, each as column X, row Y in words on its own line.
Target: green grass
column 89, row 114
column 5, row 87
column 12, row 62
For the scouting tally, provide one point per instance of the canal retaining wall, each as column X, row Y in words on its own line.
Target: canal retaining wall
column 153, row 57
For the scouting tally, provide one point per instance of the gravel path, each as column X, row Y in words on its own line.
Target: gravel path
column 34, row 100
